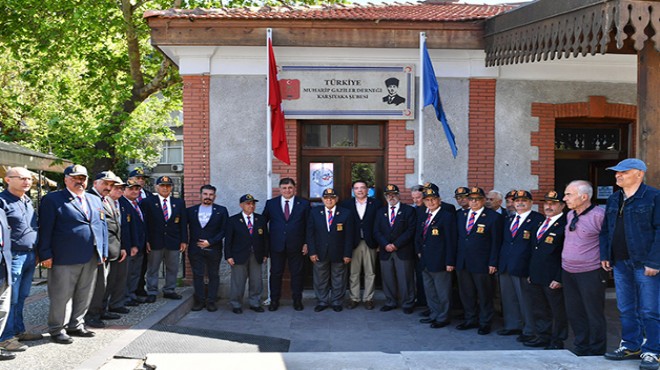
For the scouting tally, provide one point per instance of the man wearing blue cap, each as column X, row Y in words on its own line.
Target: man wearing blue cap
column 630, row 245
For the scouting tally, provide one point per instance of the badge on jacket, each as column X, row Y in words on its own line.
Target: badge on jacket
column 435, row 231
column 260, row 231
column 340, row 227
column 128, row 218
column 549, row 240
column 526, row 234
column 481, row 228
column 176, row 220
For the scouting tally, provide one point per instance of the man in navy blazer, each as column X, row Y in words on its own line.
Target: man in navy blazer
column 546, row 291
column 167, row 237
column 435, row 244
column 330, row 240
column 73, row 240
column 287, row 223
column 479, row 241
column 363, row 209
column 206, row 230
column 519, row 237
column 246, row 249
column 394, row 231
column 129, row 202
column 5, row 280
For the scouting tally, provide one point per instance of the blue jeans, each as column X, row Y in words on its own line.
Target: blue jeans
column 22, row 271
column 639, row 308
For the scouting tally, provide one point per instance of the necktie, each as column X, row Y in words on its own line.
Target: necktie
column 514, row 227
column 471, row 221
column 139, row 198
column 249, row 224
column 543, row 229
column 428, row 222
column 137, row 209
column 83, row 205
column 287, row 210
column 166, row 214
column 117, row 210
column 329, row 219
column 392, row 216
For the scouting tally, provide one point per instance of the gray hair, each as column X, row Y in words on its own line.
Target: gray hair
column 499, row 194
column 418, row 188
column 583, row 187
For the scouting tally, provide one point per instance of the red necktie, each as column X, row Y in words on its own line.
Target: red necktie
column 166, row 214
column 287, row 210
column 428, row 222
column 329, row 219
column 249, row 225
column 83, row 205
column 514, row 227
column 471, row 222
column 543, row 229
column 137, row 209
column 392, row 217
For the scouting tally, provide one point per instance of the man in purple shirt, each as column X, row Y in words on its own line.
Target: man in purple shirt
column 584, row 279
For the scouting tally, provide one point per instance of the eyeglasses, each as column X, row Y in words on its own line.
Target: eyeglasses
column 21, row 178
column 475, row 199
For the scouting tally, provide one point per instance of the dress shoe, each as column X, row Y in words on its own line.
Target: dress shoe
column 151, row 299
column 387, row 308
column 82, row 332
column 337, row 308
column 172, row 295
column 140, row 299
column 425, row 313
column 522, row 338
column 95, row 323
column 237, row 310
column 4, row 355
column 26, row 337
column 467, row 326
column 555, row 345
column 120, row 309
column 439, row 324
column 109, row 316
column 211, row 307
column 509, row 332
column 320, row 308
column 197, row 306
column 408, row 310
column 352, row 304
column 273, row 306
column 369, row 305
column 484, row 330
column 61, row 338
column 298, row 305
column 257, row 308
column 427, row 320
column 13, row 345
column 132, row 303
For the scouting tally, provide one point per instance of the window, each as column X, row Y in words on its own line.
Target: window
column 172, row 152
column 357, row 136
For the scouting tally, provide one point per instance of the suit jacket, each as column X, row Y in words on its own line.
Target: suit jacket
column 5, row 250
column 364, row 227
column 163, row 234
column 132, row 227
column 286, row 235
column 396, row 99
column 213, row 232
column 517, row 251
column 66, row 234
column 438, row 246
column 239, row 243
column 545, row 264
column 333, row 245
column 113, row 224
column 401, row 233
column 481, row 247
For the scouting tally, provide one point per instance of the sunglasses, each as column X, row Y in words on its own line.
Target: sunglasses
column 574, row 221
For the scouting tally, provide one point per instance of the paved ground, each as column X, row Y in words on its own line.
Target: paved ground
column 352, row 339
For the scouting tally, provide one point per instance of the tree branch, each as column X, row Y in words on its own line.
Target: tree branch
column 133, row 44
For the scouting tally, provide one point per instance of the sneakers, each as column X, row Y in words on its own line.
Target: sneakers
column 650, row 361
column 623, row 353
column 13, row 345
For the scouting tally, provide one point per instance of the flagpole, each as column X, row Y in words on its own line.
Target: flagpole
column 420, row 114
column 269, row 139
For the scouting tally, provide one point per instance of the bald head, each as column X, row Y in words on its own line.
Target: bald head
column 18, row 181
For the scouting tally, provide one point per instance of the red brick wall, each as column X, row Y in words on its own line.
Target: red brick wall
column 196, row 170
column 481, row 119
column 396, row 163
column 544, row 138
column 281, row 168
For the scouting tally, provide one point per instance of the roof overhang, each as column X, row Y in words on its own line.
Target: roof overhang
column 549, row 29
column 14, row 155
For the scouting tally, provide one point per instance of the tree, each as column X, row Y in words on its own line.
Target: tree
column 83, row 82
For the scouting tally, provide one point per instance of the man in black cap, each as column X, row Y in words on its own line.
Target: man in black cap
column 461, row 194
column 138, row 176
column 330, row 243
column 393, row 97
column 479, row 242
column 510, row 206
column 394, row 231
column 141, row 178
column 130, row 203
column 167, row 237
column 246, row 249
column 546, row 291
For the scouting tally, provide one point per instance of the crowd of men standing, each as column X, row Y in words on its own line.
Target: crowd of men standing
column 105, row 246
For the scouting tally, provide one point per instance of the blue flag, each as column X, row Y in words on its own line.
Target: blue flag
column 432, row 96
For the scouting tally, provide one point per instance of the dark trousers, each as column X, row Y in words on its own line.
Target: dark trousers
column 278, row 261
column 205, row 262
column 142, row 283
column 584, row 295
column 549, row 313
column 96, row 308
column 476, row 290
column 420, row 295
column 115, row 290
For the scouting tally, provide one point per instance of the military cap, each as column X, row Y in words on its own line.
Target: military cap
column 510, row 194
column 329, row 192
column 553, row 196
column 118, row 181
column 391, row 189
column 476, row 191
column 432, row 186
column 462, row 191
column 75, row 170
column 164, row 180
column 522, row 194
column 430, row 193
column 106, row 175
column 131, row 183
column 247, row 198
column 137, row 172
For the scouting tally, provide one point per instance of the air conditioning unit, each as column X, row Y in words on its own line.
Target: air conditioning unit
column 177, row 168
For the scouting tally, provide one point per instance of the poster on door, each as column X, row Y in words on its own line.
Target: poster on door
column 321, row 177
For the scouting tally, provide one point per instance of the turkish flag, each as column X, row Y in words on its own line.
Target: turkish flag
column 280, row 147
